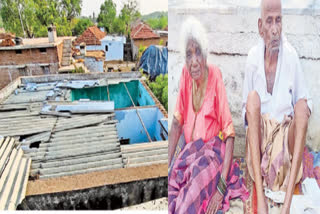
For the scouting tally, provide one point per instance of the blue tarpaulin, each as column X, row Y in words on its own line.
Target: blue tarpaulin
column 154, row 61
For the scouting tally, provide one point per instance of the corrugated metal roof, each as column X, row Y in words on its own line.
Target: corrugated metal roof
column 63, row 145
column 73, row 150
column 26, row 125
column 80, row 107
column 144, row 154
column 14, row 174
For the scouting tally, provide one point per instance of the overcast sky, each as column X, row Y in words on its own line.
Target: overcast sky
column 249, row 3
column 146, row 6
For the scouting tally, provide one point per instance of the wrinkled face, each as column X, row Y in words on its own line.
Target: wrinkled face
column 270, row 24
column 195, row 60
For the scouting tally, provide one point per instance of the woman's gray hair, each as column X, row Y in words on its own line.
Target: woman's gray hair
column 193, row 29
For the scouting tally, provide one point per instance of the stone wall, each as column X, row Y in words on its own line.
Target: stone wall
column 232, row 31
column 93, row 64
column 10, row 73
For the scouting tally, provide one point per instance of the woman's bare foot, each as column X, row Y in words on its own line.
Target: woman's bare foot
column 262, row 204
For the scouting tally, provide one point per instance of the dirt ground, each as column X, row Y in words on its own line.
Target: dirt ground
column 95, row 179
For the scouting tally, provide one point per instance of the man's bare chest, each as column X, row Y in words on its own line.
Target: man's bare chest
column 270, row 78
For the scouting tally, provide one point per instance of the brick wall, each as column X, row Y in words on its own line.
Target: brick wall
column 10, row 73
column 147, row 42
column 7, row 75
column 165, row 39
column 27, row 56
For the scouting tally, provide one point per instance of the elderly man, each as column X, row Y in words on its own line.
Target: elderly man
column 276, row 109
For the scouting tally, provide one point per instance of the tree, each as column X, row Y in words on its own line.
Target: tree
column 119, row 26
column 128, row 14
column 107, row 16
column 71, row 8
column 158, row 23
column 18, row 16
column 94, row 17
column 32, row 17
column 81, row 26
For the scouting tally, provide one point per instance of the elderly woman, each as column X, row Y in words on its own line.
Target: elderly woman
column 202, row 177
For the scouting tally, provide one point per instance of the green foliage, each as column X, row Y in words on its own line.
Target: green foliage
column 81, row 25
column 128, row 14
column 12, row 10
column 71, row 8
column 158, row 23
column 107, row 16
column 32, row 17
column 142, row 48
column 119, row 26
column 154, row 15
column 78, row 70
column 165, row 96
column 160, row 89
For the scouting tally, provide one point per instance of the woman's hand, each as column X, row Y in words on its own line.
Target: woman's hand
column 215, row 203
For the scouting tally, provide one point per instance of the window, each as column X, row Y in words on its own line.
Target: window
column 107, row 47
column 45, row 69
column 22, row 72
column 43, row 50
column 18, row 51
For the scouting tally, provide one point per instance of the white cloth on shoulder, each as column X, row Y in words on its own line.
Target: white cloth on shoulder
column 289, row 85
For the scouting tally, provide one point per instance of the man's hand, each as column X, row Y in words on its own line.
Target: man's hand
column 215, row 203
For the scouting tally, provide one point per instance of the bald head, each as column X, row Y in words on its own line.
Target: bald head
column 270, row 24
column 270, row 6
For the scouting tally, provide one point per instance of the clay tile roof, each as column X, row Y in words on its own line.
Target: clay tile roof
column 7, row 35
column 143, row 31
column 97, row 32
column 91, row 36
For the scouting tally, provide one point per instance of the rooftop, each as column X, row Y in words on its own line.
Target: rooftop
column 114, row 38
column 37, row 43
column 69, row 137
column 91, row 36
column 143, row 31
column 99, row 54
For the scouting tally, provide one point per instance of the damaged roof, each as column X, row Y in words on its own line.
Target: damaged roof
column 91, row 36
column 66, row 138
